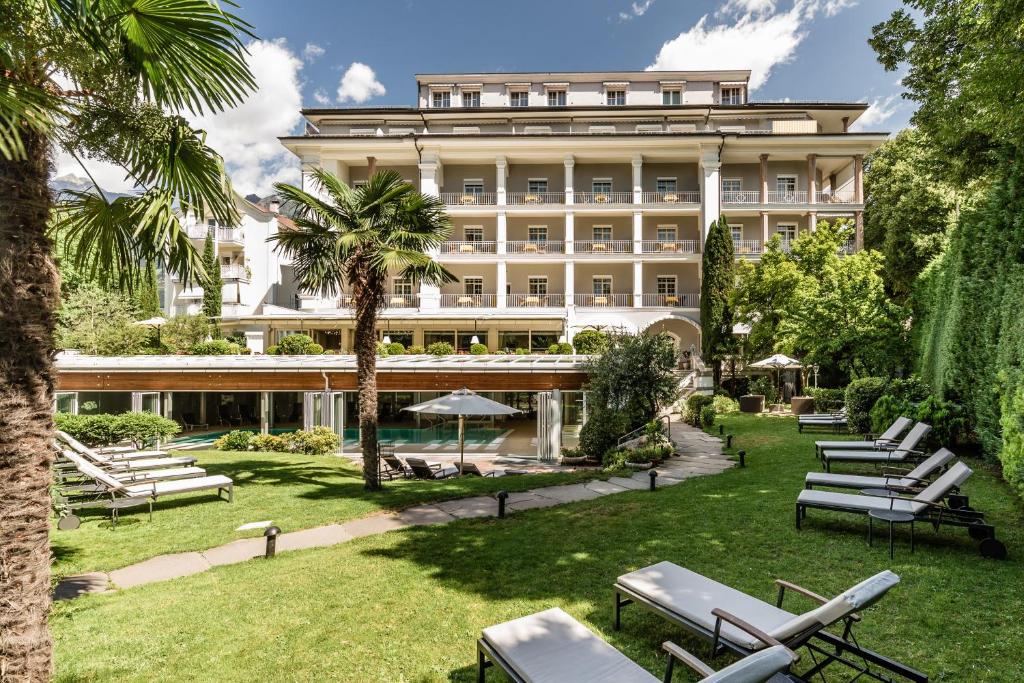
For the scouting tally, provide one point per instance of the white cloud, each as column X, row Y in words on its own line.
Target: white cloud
column 110, row 177
column 246, row 136
column 321, row 97
column 749, row 34
column 881, row 110
column 636, row 9
column 359, row 84
column 312, row 52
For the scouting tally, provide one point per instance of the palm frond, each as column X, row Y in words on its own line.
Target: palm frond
column 316, row 263
column 23, row 108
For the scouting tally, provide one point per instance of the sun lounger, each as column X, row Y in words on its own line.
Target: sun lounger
column 906, row 451
column 552, row 647
column 926, row 506
column 431, row 470
column 472, row 468
column 106, row 461
column 734, row 621
column 916, row 479
column 66, row 469
column 392, row 467
column 887, row 440
column 833, row 421
column 150, row 489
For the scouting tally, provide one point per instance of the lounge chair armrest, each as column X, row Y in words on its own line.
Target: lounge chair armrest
column 784, row 585
column 687, row 658
column 890, row 471
column 745, row 626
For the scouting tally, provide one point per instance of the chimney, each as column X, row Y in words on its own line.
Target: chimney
column 846, row 124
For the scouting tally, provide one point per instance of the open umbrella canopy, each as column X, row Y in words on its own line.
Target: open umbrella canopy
column 152, row 322
column 461, row 403
column 778, row 361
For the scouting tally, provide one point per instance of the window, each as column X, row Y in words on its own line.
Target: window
column 519, row 98
column 441, row 99
column 356, row 184
column 474, row 233
column 674, row 96
column 732, row 95
column 785, row 184
column 474, row 285
column 471, row 98
column 538, row 233
column 666, row 185
column 537, row 185
column 615, row 98
column 602, row 233
column 67, row 402
column 466, row 130
column 732, row 185
column 787, row 231
column 667, row 285
column 430, row 337
column 737, row 232
column 538, row 285
column 402, row 286
column 666, row 233
column 601, row 186
column 556, row 98
column 602, row 285
column 474, row 187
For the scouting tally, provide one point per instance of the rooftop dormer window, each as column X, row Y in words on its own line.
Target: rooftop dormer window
column 672, row 96
column 471, row 98
column 732, row 94
column 441, row 99
column 519, row 98
column 556, row 98
column 615, row 98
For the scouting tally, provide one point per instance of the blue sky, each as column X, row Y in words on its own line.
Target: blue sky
column 343, row 53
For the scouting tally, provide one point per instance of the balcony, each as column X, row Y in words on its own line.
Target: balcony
column 603, row 197
column 535, row 300
column 234, row 271
column 230, row 236
column 670, row 247
column 603, row 300
column 534, row 198
column 741, row 197
column 400, row 301
column 838, row 197
column 847, row 248
column 469, row 248
column 670, row 197
column 468, row 300
column 746, row 247
column 603, row 246
column 231, row 310
column 680, row 300
column 197, row 232
column 534, row 247
column 469, row 198
column 190, row 294
column 786, row 197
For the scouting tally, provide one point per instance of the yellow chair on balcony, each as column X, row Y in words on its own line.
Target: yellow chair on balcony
column 531, row 301
column 598, row 246
column 465, row 301
column 669, row 247
column 671, row 300
column 397, row 301
column 466, row 249
column 600, row 300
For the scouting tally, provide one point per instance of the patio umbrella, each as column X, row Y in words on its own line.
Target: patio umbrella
column 779, row 362
column 462, row 403
column 155, row 323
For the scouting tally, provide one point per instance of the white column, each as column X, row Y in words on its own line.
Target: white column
column 501, row 176
column 638, row 284
column 570, row 232
column 570, row 283
column 764, row 228
column 638, row 232
column 264, row 412
column 309, row 162
column 812, row 221
column 570, row 164
column 502, row 284
column 638, row 178
column 711, row 186
column 501, row 231
column 555, row 423
column 812, row 179
column 430, row 297
column 429, row 175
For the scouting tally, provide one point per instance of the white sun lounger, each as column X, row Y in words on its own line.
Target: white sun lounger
column 552, row 647
column 887, row 440
column 916, row 478
column 151, row 489
column 906, row 451
column 105, row 461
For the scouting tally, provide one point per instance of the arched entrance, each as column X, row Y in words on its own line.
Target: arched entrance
column 684, row 332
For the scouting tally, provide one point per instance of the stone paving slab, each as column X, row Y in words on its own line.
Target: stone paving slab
column 160, row 568
column 377, row 524
column 74, row 586
column 236, row 551
column 332, row 534
column 422, row 515
column 570, row 493
column 468, row 508
column 604, row 488
column 629, row 483
column 532, row 503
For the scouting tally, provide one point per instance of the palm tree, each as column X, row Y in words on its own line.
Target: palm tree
column 102, row 79
column 356, row 237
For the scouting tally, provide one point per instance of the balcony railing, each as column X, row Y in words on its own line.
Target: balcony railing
column 469, row 198
column 603, row 246
column 534, row 247
column 400, row 300
column 197, row 232
column 746, row 247
column 688, row 197
column 469, row 248
column 528, row 198
column 681, row 300
column 786, row 197
column 603, row 197
column 838, row 197
column 847, row 248
column 603, row 300
column 233, row 235
column 741, row 197
column 535, row 300
column 194, row 293
column 786, row 245
column 234, row 271
column 670, row 246
column 468, row 300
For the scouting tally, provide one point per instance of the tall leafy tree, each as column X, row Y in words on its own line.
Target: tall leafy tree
column 718, row 276
column 763, row 294
column 102, row 79
column 353, row 238
column 213, row 289
column 148, row 294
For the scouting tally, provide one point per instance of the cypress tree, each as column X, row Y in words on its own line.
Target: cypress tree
column 148, row 297
column 718, row 277
column 214, row 284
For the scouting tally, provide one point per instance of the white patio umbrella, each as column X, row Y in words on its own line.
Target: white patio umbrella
column 155, row 323
column 779, row 362
column 462, row 403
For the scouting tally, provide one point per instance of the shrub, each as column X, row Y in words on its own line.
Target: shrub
column 765, row 386
column 319, row 441
column 382, row 350
column 267, row 443
column 416, row 350
column 651, row 453
column 886, row 409
column 217, row 347
column 92, row 430
column 590, row 342
column 522, row 352
column 103, row 429
column 725, row 404
column 614, row 459
column 948, row 421
column 707, row 416
column 694, row 405
column 235, row 440
column 861, row 396
column 827, row 400
column 560, row 348
column 297, row 345
column 478, row 349
column 272, row 350
column 396, row 349
column 440, row 349
column 182, row 332
column 601, row 432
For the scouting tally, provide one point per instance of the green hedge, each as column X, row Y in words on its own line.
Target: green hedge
column 827, row 400
column 103, row 429
column 861, row 396
column 318, row 441
column 695, row 405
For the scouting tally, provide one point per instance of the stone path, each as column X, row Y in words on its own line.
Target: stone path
column 699, row 454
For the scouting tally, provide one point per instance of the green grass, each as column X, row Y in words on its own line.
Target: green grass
column 408, row 605
column 294, row 491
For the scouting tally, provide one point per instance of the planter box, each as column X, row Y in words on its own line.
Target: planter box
column 801, row 405
column 752, row 403
column 639, row 465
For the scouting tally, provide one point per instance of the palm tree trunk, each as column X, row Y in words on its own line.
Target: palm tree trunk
column 29, row 292
column 366, row 377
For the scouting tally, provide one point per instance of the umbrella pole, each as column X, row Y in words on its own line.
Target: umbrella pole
column 462, row 441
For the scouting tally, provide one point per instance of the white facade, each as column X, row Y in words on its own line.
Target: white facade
column 577, row 200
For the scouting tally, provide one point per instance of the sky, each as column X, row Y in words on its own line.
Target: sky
column 311, row 53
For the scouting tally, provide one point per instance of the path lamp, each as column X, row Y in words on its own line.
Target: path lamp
column 653, row 474
column 502, row 497
column 271, row 535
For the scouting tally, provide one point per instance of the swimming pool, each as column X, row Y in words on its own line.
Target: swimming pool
column 437, row 434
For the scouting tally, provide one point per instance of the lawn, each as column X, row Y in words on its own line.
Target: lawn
column 408, row 605
column 294, row 491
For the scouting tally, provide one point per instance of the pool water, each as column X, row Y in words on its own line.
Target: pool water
column 190, row 438
column 436, row 434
